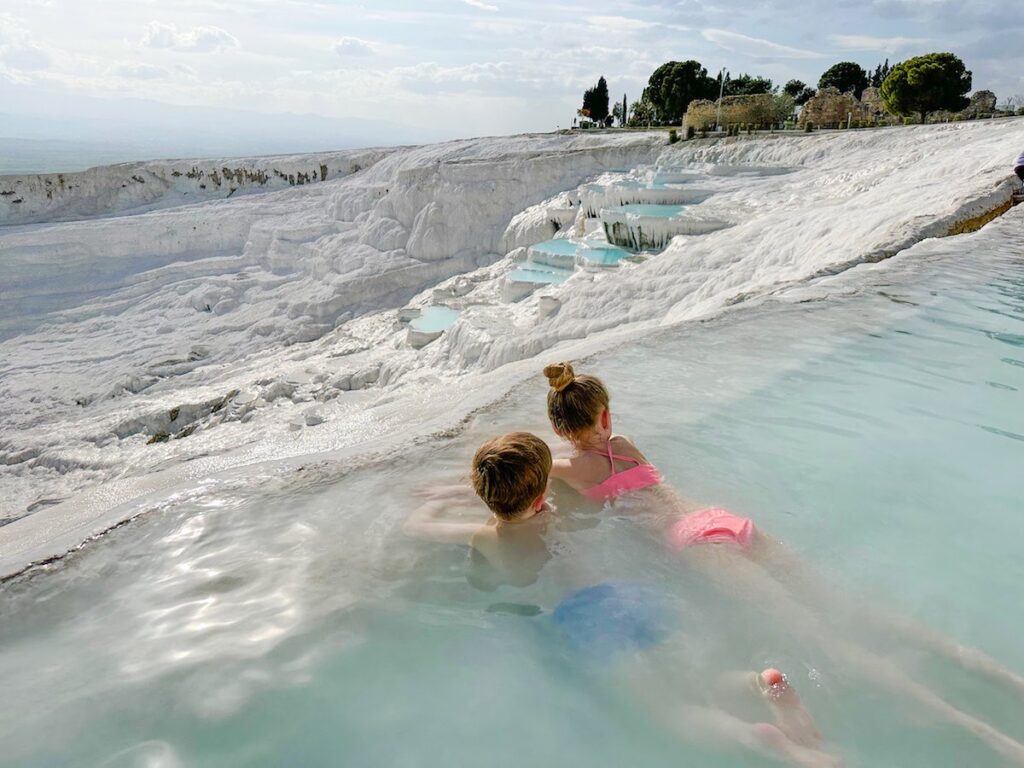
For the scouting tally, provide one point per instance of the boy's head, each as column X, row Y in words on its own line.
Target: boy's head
column 576, row 404
column 510, row 474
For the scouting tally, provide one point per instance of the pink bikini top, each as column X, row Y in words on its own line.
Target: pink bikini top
column 618, row 483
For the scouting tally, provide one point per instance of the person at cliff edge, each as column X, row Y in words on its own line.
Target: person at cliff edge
column 1018, row 168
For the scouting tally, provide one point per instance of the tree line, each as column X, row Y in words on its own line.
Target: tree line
column 917, row 86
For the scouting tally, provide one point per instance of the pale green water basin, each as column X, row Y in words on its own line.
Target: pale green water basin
column 435, row 318
column 876, row 428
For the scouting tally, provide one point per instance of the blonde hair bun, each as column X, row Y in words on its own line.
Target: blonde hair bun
column 560, row 376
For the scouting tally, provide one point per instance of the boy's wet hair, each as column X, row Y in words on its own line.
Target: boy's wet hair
column 574, row 402
column 510, row 472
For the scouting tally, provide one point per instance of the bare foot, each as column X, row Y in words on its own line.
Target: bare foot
column 805, row 757
column 790, row 715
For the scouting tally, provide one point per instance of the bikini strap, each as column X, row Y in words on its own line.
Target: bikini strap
column 613, row 456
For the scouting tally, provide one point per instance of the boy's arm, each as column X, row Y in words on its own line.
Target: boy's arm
column 461, row 495
column 561, row 468
column 423, row 524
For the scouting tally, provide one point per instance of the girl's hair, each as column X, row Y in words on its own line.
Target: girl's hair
column 574, row 402
column 510, row 472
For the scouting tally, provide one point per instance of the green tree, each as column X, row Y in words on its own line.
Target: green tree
column 926, row 83
column 642, row 113
column 595, row 100
column 617, row 113
column 794, row 87
column 845, row 76
column 798, row 91
column 746, row 85
column 878, row 76
column 673, row 85
column 783, row 106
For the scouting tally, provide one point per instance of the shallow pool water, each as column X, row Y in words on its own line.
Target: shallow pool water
column 652, row 210
column 280, row 618
column 750, row 171
column 603, row 254
column 435, row 318
column 557, row 247
column 594, row 252
column 635, row 184
column 534, row 274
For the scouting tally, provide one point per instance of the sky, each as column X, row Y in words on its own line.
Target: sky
column 387, row 71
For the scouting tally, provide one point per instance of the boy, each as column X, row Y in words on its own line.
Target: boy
column 510, row 475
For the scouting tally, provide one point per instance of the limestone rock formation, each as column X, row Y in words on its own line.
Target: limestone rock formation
column 756, row 109
column 829, row 108
column 982, row 103
column 871, row 101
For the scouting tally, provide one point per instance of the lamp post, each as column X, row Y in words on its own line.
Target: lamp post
column 721, row 90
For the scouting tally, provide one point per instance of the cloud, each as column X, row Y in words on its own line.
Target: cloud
column 28, row 59
column 17, row 48
column 353, row 46
column 141, row 71
column 445, row 78
column 889, row 45
column 481, row 5
column 755, row 46
column 613, row 24
column 195, row 40
column 504, row 78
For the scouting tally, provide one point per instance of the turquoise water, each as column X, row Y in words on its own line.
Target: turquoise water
column 606, row 255
column 556, row 247
column 632, row 184
column 535, row 274
column 435, row 318
column 652, row 210
column 876, row 428
column 598, row 254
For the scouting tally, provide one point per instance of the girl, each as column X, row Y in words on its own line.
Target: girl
column 604, row 465
column 736, row 557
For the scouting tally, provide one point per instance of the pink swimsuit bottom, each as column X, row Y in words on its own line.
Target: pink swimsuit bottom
column 713, row 525
column 618, row 483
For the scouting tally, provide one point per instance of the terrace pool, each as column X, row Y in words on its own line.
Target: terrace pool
column 551, row 276
column 560, row 247
column 434, row 319
column 873, row 422
column 652, row 210
column 605, row 255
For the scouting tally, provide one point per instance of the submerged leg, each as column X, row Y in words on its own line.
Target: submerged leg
column 739, row 577
column 791, row 716
column 788, row 569
column 884, row 674
column 763, row 738
column 769, row 688
column 658, row 679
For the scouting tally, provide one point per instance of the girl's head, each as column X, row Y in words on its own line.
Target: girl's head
column 577, row 405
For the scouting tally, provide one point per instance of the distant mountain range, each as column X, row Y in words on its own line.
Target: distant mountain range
column 69, row 126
